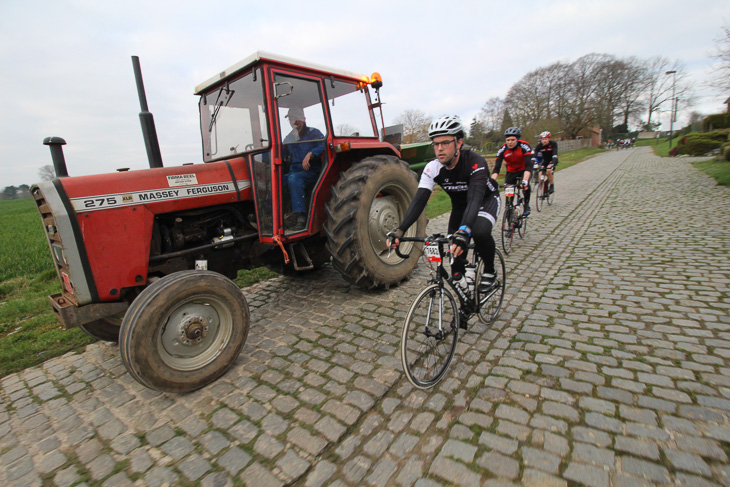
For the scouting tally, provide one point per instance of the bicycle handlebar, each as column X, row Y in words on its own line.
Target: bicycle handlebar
column 436, row 237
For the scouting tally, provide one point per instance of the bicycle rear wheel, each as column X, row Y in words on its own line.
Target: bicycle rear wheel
column 490, row 302
column 429, row 336
column 508, row 230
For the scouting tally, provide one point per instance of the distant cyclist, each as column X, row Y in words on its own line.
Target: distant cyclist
column 464, row 175
column 517, row 155
column 549, row 151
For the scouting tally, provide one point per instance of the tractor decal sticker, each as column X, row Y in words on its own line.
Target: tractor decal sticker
column 182, row 180
column 92, row 203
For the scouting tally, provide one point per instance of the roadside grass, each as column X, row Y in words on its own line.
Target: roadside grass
column 659, row 146
column 718, row 168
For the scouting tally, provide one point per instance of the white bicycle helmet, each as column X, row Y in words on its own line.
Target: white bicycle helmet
column 447, row 125
column 545, row 134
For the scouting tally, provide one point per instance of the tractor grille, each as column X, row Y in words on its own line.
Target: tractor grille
column 55, row 244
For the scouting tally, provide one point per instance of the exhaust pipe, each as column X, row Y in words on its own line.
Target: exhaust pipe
column 59, row 162
column 147, row 120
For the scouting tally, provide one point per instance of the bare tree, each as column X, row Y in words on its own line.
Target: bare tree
column 415, row 125
column 582, row 82
column 491, row 114
column 46, row 173
column 660, row 86
column 344, row 129
column 721, row 75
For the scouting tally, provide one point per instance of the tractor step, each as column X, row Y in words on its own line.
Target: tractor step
column 300, row 257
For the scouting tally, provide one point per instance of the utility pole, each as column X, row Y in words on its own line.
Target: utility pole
column 674, row 106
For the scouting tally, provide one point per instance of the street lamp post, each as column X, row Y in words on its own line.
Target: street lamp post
column 674, row 106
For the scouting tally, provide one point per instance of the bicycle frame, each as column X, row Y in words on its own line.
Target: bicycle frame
column 467, row 302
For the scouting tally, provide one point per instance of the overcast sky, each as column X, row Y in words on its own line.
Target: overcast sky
column 67, row 70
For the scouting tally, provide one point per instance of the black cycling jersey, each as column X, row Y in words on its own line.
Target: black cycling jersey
column 468, row 185
column 549, row 153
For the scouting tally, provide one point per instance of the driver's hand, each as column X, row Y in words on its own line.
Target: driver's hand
column 305, row 162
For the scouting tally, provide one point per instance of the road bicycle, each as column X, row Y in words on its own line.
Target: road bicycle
column 514, row 218
column 442, row 308
column 542, row 191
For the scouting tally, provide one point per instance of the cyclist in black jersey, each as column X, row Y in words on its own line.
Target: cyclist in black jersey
column 475, row 203
column 549, row 151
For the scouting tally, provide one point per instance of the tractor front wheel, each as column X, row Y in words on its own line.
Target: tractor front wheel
column 370, row 200
column 184, row 331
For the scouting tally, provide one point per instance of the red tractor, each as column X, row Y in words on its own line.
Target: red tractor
column 145, row 257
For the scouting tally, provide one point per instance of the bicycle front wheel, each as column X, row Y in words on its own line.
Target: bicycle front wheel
column 508, row 230
column 539, row 195
column 550, row 196
column 429, row 336
column 522, row 226
column 490, row 302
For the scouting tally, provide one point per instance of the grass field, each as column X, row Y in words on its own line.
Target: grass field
column 29, row 331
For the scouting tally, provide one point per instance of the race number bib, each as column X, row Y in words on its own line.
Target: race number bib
column 431, row 251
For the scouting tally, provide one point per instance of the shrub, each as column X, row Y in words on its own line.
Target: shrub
column 725, row 151
column 698, row 144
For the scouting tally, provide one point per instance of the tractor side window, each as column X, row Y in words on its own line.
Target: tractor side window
column 233, row 119
column 349, row 110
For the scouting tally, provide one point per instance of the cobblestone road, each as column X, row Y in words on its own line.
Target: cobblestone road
column 609, row 365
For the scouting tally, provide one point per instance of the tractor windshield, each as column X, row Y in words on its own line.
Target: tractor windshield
column 233, row 118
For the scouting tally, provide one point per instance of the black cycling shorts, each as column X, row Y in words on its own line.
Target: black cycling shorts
column 516, row 177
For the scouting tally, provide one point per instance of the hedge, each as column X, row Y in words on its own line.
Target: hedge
column 717, row 121
column 699, row 144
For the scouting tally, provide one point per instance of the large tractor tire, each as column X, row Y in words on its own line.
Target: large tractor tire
column 184, row 331
column 367, row 202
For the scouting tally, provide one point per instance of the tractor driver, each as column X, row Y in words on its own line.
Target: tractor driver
column 305, row 145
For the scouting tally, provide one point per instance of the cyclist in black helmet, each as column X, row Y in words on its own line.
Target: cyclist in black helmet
column 549, row 151
column 475, row 204
column 517, row 154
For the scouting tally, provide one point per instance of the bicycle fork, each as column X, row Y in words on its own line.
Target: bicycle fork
column 439, row 335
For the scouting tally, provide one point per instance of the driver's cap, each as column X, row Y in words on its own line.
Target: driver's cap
column 295, row 113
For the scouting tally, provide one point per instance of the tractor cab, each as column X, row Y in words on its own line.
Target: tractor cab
column 290, row 121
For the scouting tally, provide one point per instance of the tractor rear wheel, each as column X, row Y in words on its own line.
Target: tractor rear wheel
column 367, row 202
column 184, row 331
